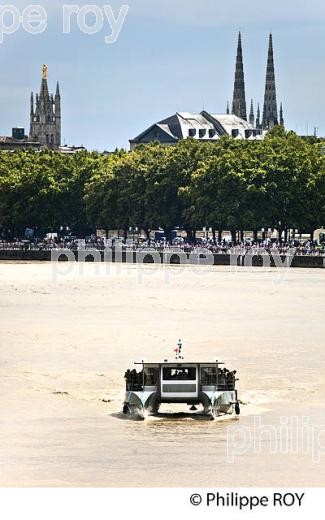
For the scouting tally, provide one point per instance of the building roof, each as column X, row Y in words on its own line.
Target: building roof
column 70, row 149
column 196, row 122
column 231, row 122
column 203, row 127
column 12, row 141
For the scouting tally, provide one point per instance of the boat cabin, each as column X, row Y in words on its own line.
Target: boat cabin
column 179, row 382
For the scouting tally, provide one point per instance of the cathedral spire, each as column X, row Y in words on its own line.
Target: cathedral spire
column 32, row 104
column 57, row 112
column 44, row 93
column 281, row 115
column 270, row 111
column 258, row 117
column 239, row 98
column 57, row 94
column 251, row 114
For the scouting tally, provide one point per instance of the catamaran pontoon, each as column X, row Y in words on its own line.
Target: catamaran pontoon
column 179, row 382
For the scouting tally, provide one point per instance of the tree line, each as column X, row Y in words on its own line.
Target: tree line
column 232, row 185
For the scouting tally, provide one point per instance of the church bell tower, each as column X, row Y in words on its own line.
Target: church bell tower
column 45, row 115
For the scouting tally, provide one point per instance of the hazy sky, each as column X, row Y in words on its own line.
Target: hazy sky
column 171, row 55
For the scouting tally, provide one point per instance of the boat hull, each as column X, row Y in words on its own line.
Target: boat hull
column 215, row 404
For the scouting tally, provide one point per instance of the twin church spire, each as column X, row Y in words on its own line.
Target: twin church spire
column 270, row 109
column 239, row 97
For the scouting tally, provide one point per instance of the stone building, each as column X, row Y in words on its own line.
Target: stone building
column 202, row 127
column 45, row 115
column 18, row 141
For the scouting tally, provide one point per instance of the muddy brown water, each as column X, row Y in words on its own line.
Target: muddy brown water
column 67, row 337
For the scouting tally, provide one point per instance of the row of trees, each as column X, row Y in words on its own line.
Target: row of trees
column 228, row 185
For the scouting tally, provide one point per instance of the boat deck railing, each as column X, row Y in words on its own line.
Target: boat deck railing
column 135, row 387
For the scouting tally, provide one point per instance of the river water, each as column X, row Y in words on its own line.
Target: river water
column 68, row 333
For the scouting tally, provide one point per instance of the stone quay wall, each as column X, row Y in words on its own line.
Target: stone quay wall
column 147, row 257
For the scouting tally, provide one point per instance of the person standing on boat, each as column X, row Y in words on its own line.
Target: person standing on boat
column 127, row 377
column 231, row 380
column 140, row 379
column 133, row 379
column 222, row 380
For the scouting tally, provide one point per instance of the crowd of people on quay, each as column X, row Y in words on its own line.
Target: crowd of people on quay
column 225, row 246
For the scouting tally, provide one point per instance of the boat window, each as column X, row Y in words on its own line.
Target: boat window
column 208, row 376
column 151, row 376
column 179, row 374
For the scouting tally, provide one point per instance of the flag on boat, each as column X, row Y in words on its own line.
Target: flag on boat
column 178, row 350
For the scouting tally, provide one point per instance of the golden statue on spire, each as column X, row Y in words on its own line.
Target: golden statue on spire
column 44, row 70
